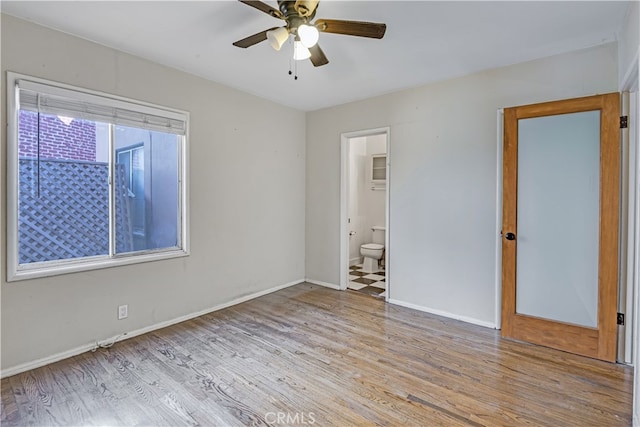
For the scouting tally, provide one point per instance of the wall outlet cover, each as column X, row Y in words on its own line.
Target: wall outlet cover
column 123, row 312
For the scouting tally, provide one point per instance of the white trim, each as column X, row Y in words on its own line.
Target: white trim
column 634, row 318
column 54, row 268
column 51, row 359
column 387, row 218
column 498, row 267
column 444, row 314
column 184, row 192
column 633, row 255
column 126, row 335
column 344, row 202
column 325, row 284
column 628, row 224
column 344, row 212
column 12, row 177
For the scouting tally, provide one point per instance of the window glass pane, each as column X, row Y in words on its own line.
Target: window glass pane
column 147, row 204
column 63, row 192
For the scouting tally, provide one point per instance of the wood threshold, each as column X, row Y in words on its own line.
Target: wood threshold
column 331, row 357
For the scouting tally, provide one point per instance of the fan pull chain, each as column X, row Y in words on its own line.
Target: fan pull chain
column 290, row 55
column 295, row 63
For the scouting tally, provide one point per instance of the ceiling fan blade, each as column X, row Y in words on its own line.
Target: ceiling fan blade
column 351, row 28
column 263, row 7
column 318, row 57
column 254, row 39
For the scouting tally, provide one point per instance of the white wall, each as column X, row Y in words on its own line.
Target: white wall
column 629, row 43
column 442, row 176
column 247, row 175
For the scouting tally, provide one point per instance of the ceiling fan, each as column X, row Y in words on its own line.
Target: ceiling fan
column 298, row 15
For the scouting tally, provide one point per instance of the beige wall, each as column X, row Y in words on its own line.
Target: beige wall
column 442, row 244
column 247, row 175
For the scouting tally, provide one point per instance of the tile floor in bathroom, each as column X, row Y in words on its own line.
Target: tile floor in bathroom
column 373, row 284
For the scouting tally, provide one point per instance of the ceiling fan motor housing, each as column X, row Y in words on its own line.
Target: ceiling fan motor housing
column 306, row 7
column 291, row 10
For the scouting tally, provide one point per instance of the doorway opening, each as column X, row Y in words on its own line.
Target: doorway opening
column 364, row 254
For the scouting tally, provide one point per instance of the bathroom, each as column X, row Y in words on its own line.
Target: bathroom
column 367, row 200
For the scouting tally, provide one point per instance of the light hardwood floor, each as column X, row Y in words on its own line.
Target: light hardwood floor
column 308, row 355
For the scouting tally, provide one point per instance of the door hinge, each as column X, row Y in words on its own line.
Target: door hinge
column 624, row 122
column 620, row 318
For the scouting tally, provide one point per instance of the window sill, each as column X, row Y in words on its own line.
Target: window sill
column 55, row 268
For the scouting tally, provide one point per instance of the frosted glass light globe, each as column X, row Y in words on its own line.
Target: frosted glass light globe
column 300, row 52
column 308, row 35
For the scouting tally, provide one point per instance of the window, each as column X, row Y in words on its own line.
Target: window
column 94, row 180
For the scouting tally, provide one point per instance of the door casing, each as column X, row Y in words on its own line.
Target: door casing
column 344, row 204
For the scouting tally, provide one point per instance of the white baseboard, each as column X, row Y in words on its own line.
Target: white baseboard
column 354, row 261
column 325, row 284
column 47, row 360
column 444, row 314
column 126, row 335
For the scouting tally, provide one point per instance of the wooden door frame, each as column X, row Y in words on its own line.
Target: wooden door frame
column 585, row 341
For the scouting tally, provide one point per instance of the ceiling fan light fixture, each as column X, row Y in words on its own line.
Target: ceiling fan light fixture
column 277, row 37
column 309, row 35
column 298, row 15
column 300, row 52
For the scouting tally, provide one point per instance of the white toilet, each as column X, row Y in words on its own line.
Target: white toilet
column 372, row 252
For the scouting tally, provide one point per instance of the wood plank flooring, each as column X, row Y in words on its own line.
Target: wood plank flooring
column 308, row 355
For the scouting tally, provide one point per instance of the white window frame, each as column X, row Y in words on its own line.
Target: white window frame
column 16, row 271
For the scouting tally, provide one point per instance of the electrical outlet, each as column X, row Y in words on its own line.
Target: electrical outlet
column 123, row 311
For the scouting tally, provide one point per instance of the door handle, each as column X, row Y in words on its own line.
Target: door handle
column 510, row 236
column 351, row 233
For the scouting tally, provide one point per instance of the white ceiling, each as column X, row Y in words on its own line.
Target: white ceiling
column 426, row 41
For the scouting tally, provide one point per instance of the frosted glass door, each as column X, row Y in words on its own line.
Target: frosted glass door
column 558, row 182
column 560, row 224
